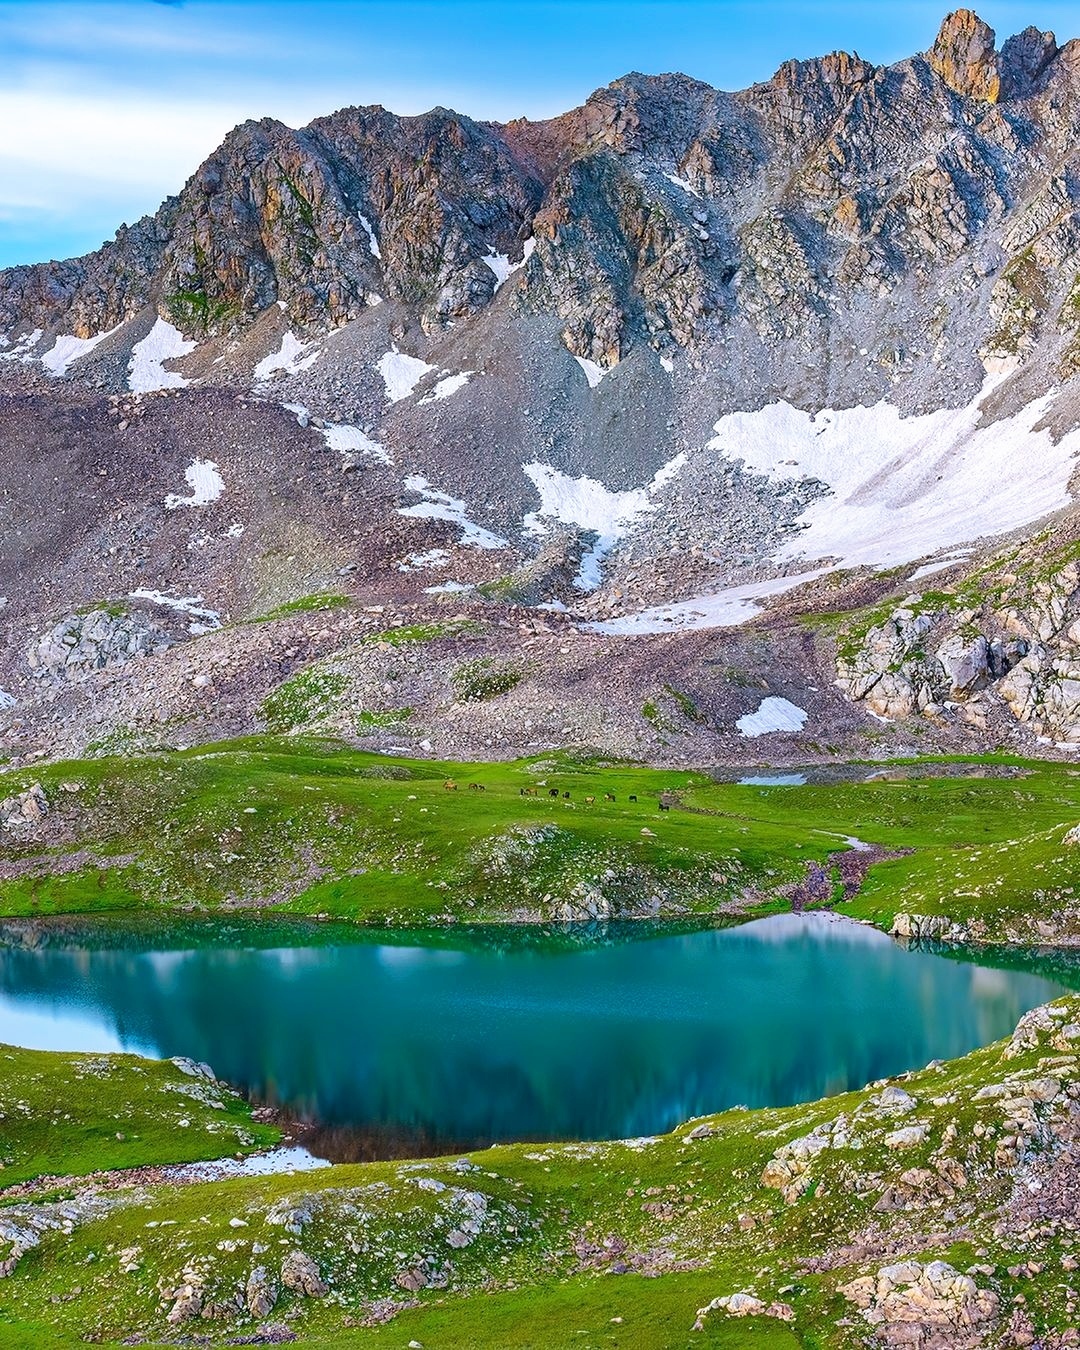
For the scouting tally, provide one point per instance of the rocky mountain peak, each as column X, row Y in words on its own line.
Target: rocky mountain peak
column 965, row 57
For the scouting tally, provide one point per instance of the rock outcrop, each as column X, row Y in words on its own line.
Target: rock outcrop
column 101, row 639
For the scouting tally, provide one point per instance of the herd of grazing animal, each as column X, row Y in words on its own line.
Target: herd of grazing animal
column 450, row 785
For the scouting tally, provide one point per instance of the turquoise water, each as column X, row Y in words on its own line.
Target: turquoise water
column 422, row 1042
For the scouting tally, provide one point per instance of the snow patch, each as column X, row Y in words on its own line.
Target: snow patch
column 448, row 385
column 292, row 357
column 773, row 714
column 23, row 349
column 145, row 370
column 418, row 562
column 302, row 414
column 725, row 609
column 503, row 268
column 373, row 243
column 591, row 506
column 203, row 620
column 666, row 363
column 401, row 373
column 205, row 482
column 6, row 700
column 594, row 372
column 349, row 441
column 904, row 487
column 774, row 780
column 68, row 348
column 928, row 569
column 439, row 506
column 683, row 184
column 450, row 588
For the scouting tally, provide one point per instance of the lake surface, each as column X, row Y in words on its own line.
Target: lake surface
column 408, row 1043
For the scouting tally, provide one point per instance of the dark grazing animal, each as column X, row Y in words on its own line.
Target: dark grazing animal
column 664, row 806
column 632, row 797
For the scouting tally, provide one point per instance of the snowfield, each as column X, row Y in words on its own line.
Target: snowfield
column 438, row 506
column 205, row 482
column 503, row 268
column 589, row 505
column 723, row 609
column 904, row 487
column 773, row 714
column 203, row 620
column 448, row 385
column 401, row 374
column 349, row 441
column 594, row 372
column 291, row 358
column 67, row 349
column 146, row 374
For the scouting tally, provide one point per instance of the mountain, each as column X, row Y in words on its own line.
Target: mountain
column 614, row 430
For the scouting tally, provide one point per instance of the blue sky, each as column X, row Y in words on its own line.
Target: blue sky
column 107, row 107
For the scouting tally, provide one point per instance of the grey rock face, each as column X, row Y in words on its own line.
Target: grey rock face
column 24, row 811
column 83, row 643
column 300, row 1273
column 662, row 212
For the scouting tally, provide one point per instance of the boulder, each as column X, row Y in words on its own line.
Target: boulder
column 301, row 1274
column 102, row 639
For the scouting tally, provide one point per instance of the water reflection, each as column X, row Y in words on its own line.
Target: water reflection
column 398, row 1046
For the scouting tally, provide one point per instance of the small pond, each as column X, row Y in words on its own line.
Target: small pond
column 408, row 1042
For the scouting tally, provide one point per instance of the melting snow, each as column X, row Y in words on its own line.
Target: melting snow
column 503, row 268
column 67, row 349
column 373, row 243
column 349, row 441
column 163, row 343
column 682, row 183
column 438, row 506
column 724, row 609
column 6, row 700
column 292, row 357
column 775, row 780
column 401, row 374
column 205, row 482
column 928, row 569
column 203, row 620
column 773, row 714
column 594, row 373
column 302, row 414
column 904, row 487
column 588, row 504
column 416, row 562
column 449, row 588
column 23, row 348
column 667, row 364
column 448, row 385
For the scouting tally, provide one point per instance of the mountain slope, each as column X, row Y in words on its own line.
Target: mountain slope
column 676, row 360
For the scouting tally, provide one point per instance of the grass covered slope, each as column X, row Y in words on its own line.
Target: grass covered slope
column 69, row 1115
column 316, row 829
column 942, row 1201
